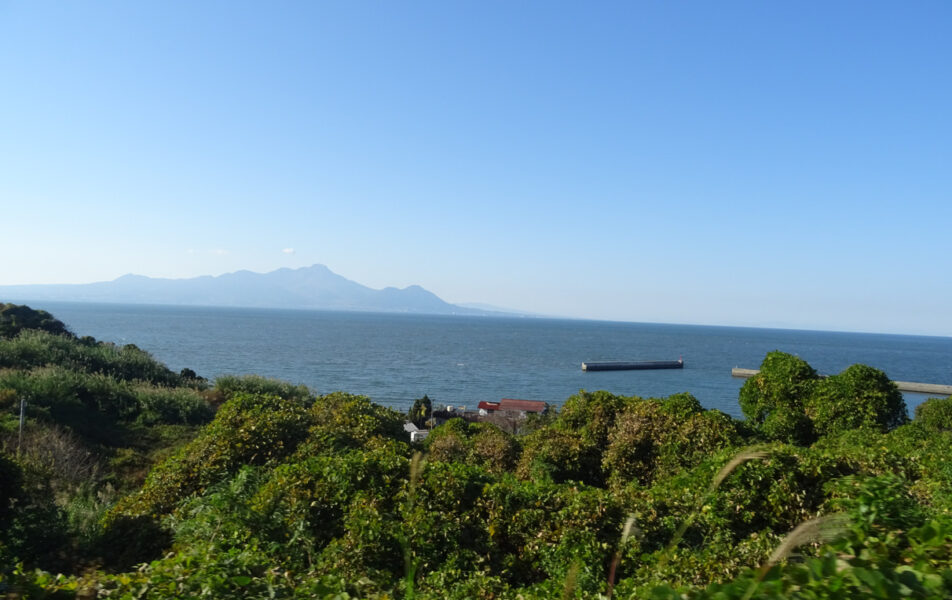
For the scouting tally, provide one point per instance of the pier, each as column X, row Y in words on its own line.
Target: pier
column 904, row 386
column 632, row 365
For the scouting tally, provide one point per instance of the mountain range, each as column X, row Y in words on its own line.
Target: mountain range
column 315, row 287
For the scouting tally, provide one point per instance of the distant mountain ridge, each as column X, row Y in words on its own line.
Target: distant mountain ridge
column 315, row 287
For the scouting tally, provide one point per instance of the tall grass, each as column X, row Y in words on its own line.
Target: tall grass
column 417, row 463
column 32, row 349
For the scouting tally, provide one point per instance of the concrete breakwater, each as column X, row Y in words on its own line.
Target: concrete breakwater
column 620, row 365
column 904, row 386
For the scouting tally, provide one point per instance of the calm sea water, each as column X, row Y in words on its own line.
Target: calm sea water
column 462, row 360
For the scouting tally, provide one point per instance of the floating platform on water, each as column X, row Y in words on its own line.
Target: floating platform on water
column 618, row 365
column 904, row 386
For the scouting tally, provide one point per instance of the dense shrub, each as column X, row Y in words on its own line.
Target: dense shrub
column 442, row 524
column 15, row 319
column 59, row 456
column 859, row 397
column 171, row 405
column 653, row 438
column 928, row 451
column 593, row 414
column 89, row 402
column 774, row 493
column 786, row 401
column 32, row 349
column 479, row 444
column 55, row 388
column 372, row 545
column 35, row 530
column 869, row 452
column 774, row 400
column 288, row 495
column 449, row 442
column 935, row 414
column 559, row 456
column 493, row 449
column 304, row 503
column 11, row 481
column 342, row 421
column 230, row 385
column 247, row 430
column 570, row 447
column 539, row 529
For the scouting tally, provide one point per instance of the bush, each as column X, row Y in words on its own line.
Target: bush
column 347, row 421
column 17, row 318
column 449, row 442
column 570, row 447
column 131, row 540
column 11, row 482
column 935, row 414
column 305, row 502
column 478, row 444
column 539, row 529
column 442, row 524
column 593, row 414
column 59, row 456
column 184, row 406
column 247, row 430
column 772, row 494
column 36, row 531
column 370, row 547
column 230, row 385
column 493, row 449
column 786, row 401
column 91, row 402
column 33, row 348
column 928, row 451
column 657, row 438
column 773, row 400
column 559, row 456
column 859, row 397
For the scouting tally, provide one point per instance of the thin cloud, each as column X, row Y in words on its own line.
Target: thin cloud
column 288, row 251
column 219, row 252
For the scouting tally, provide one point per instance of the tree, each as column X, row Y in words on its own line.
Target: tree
column 421, row 411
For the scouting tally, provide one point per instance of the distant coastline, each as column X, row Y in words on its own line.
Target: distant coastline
column 395, row 357
column 309, row 288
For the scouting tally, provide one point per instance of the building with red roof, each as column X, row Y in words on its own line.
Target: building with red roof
column 512, row 405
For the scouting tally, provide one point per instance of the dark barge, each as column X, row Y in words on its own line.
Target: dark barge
column 632, row 366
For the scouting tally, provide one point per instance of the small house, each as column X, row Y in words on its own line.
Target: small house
column 513, row 407
column 523, row 407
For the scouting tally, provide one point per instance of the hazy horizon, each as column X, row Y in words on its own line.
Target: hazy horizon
column 740, row 164
column 506, row 312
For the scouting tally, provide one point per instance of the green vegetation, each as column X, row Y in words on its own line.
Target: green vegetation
column 787, row 401
column 15, row 318
column 257, row 488
column 420, row 411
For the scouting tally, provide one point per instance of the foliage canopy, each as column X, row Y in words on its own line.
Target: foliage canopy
column 258, row 488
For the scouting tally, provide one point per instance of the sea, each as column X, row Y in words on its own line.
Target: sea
column 461, row 360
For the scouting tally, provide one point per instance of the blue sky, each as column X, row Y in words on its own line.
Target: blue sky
column 742, row 163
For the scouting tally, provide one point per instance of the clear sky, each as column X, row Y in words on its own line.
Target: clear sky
column 744, row 163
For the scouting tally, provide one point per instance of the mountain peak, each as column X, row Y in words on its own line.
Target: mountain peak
column 314, row 287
